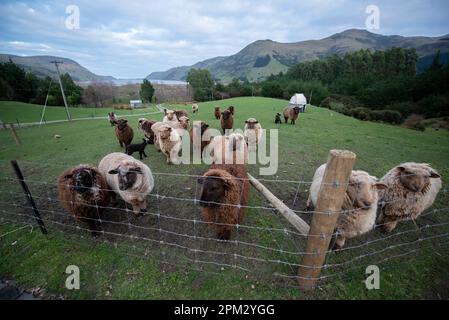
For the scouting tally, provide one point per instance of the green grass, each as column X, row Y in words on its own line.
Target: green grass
column 11, row 111
column 133, row 268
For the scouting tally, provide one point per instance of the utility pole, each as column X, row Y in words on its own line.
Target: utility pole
column 62, row 89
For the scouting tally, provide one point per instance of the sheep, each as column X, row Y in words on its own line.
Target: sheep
column 170, row 119
column 217, row 112
column 138, row 147
column 196, row 133
column 145, row 127
column 170, row 143
column 412, row 188
column 291, row 113
column 156, row 127
column 277, row 118
column 195, row 108
column 231, row 109
column 123, row 132
column 181, row 113
column 229, row 149
column 131, row 179
column 112, row 118
column 83, row 193
column 359, row 207
column 224, row 197
column 252, row 132
column 226, row 120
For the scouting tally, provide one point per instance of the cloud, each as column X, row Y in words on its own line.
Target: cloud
column 133, row 38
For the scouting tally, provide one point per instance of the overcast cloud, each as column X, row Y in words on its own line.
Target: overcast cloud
column 130, row 39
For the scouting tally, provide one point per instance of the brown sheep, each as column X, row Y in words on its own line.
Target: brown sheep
column 181, row 113
column 145, row 127
column 226, row 120
column 217, row 112
column 231, row 108
column 123, row 132
column 224, row 188
column 83, row 193
column 196, row 133
column 291, row 113
column 183, row 123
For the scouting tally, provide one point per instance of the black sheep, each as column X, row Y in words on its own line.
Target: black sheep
column 137, row 147
column 277, row 119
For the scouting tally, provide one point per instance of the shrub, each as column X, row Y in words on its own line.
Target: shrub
column 390, row 116
column 415, row 122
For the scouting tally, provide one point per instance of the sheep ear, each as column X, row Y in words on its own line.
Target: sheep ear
column 380, row 186
column 137, row 170
column 114, row 171
column 434, row 174
column 400, row 169
column 246, row 121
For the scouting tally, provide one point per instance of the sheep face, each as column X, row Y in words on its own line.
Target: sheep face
column 226, row 114
column 213, row 191
column 83, row 181
column 251, row 122
column 416, row 178
column 217, row 108
column 126, row 176
column 170, row 114
column 165, row 133
column 362, row 191
column 184, row 122
column 296, row 110
column 122, row 124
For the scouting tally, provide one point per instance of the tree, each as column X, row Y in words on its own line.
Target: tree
column 146, row 91
column 98, row 93
column 202, row 83
column 436, row 64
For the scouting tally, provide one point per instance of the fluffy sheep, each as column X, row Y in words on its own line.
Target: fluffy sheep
column 195, row 108
column 412, row 188
column 170, row 143
column 181, row 113
column 359, row 205
column 217, row 112
column 145, row 127
column 252, row 132
column 123, row 132
column 226, row 120
column 224, row 189
column 83, row 193
column 170, row 119
column 156, row 127
column 229, row 149
column 112, row 118
column 197, row 131
column 183, row 123
column 291, row 113
column 131, row 179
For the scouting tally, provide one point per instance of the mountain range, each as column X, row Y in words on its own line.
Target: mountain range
column 41, row 66
column 264, row 57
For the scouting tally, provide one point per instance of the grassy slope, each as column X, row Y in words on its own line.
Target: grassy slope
column 11, row 111
column 108, row 271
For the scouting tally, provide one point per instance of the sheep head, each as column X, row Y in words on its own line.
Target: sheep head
column 416, row 176
column 362, row 190
column 170, row 114
column 226, row 114
column 122, row 124
column 165, row 132
column 251, row 122
column 127, row 175
column 82, row 180
column 296, row 110
column 184, row 122
column 214, row 186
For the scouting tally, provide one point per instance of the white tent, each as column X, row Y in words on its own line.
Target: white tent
column 299, row 100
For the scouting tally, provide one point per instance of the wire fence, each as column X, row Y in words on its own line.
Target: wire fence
column 174, row 231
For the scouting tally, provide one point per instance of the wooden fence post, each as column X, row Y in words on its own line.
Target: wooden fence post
column 329, row 203
column 14, row 133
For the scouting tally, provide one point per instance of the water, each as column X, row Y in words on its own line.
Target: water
column 121, row 82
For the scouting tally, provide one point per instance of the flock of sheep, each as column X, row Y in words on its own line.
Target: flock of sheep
column 85, row 191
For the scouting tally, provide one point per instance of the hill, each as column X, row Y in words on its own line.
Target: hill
column 264, row 57
column 41, row 66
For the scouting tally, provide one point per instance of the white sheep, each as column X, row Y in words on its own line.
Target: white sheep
column 131, row 179
column 170, row 143
column 171, row 119
column 230, row 149
column 252, row 132
column 195, row 108
column 412, row 188
column 359, row 207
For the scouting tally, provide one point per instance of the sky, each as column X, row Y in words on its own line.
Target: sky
column 131, row 39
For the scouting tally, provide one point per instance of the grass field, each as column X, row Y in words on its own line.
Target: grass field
column 117, row 267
